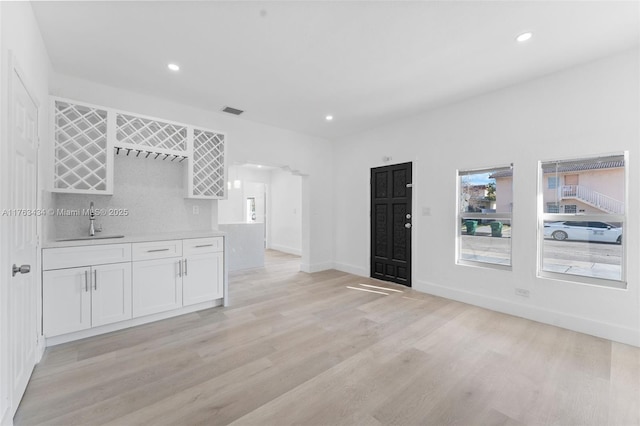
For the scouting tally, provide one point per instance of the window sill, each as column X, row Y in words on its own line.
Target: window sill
column 484, row 265
column 583, row 280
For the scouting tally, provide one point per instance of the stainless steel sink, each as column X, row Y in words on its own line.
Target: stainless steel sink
column 95, row 237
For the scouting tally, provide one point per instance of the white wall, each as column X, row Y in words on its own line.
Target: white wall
column 20, row 38
column 285, row 220
column 587, row 110
column 247, row 142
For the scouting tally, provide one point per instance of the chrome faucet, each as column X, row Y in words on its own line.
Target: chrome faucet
column 92, row 219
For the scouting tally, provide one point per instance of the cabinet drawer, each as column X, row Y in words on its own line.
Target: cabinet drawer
column 157, row 250
column 203, row 245
column 71, row 257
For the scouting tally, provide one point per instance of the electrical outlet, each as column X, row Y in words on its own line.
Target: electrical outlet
column 196, row 210
column 522, row 292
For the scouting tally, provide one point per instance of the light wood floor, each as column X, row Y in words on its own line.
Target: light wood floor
column 296, row 348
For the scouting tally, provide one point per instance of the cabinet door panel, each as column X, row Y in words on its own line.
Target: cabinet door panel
column 66, row 301
column 111, row 294
column 157, row 286
column 203, row 278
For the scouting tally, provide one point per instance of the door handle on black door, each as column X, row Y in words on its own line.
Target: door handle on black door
column 407, row 225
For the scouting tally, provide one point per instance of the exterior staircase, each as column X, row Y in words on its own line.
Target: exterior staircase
column 592, row 198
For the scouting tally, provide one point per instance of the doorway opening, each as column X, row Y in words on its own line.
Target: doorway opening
column 263, row 211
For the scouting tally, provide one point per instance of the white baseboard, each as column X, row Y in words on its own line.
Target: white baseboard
column 315, row 267
column 608, row 331
column 56, row 340
column 351, row 269
column 286, row 249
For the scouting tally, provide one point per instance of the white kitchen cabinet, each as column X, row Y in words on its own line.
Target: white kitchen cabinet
column 163, row 281
column 75, row 299
column 87, row 137
column 111, row 294
column 66, row 300
column 206, row 169
column 203, row 278
column 83, row 148
column 89, row 289
column 203, row 270
column 157, row 286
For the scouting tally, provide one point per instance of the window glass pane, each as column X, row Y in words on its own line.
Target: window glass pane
column 486, row 240
column 486, row 191
column 592, row 191
column 486, row 202
column 590, row 186
column 590, row 249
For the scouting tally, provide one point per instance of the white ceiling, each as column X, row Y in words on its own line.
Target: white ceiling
column 290, row 63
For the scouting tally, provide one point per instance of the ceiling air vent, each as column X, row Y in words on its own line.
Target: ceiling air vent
column 233, row 111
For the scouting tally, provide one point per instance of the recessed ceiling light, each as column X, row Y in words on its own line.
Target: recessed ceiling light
column 329, row 117
column 524, row 37
column 173, row 67
column 259, row 166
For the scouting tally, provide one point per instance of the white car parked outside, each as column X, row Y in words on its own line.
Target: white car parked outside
column 583, row 231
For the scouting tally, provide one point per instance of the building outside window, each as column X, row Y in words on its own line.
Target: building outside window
column 485, row 203
column 583, row 239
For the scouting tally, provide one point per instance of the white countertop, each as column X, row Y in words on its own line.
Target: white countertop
column 132, row 238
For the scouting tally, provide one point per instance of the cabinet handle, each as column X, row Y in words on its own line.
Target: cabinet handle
column 204, row 245
column 156, row 250
column 95, row 279
column 185, row 267
column 179, row 268
column 86, row 281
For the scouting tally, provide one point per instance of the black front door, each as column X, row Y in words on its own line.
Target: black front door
column 391, row 223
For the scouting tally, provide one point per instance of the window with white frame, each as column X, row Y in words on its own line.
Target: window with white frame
column 485, row 203
column 583, row 241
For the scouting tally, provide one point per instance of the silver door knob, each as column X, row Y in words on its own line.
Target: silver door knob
column 407, row 225
column 408, row 216
column 23, row 269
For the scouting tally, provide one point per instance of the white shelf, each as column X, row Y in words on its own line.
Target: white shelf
column 87, row 137
column 81, row 161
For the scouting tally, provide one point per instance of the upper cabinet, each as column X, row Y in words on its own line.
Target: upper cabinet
column 86, row 137
column 206, row 171
column 83, row 158
column 150, row 135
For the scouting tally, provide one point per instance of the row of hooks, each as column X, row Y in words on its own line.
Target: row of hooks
column 148, row 153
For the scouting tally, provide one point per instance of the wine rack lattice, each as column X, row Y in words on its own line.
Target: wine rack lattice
column 208, row 164
column 151, row 133
column 80, row 147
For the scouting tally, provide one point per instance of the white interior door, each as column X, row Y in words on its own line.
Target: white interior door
column 22, row 160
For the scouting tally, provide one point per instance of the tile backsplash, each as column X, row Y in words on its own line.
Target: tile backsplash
column 150, row 192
